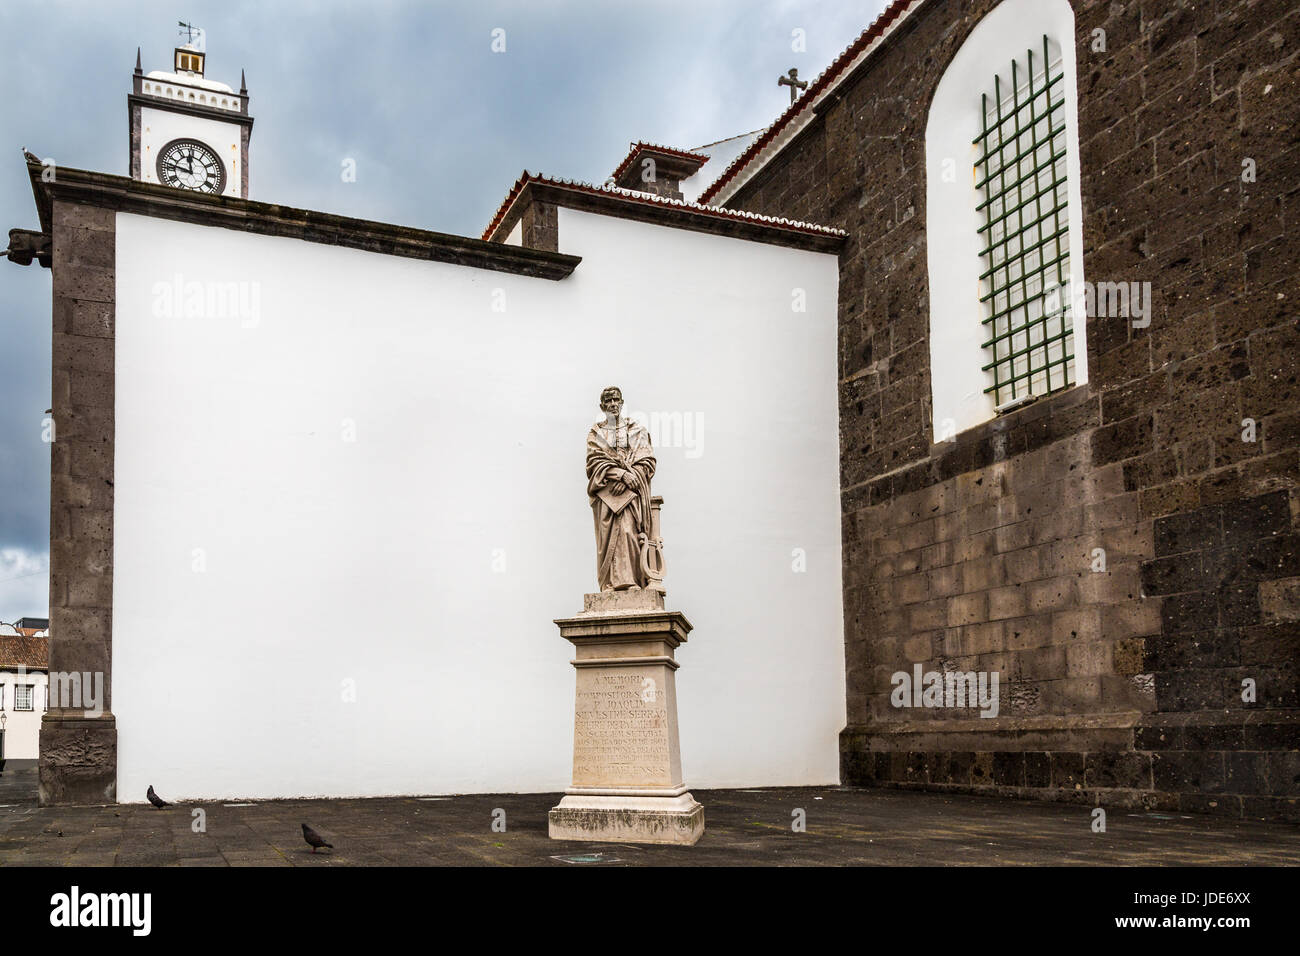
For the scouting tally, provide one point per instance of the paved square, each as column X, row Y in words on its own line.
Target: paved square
column 845, row 826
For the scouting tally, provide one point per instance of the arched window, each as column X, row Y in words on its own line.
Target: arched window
column 1004, row 224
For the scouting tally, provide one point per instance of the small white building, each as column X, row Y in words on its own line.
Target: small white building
column 24, row 690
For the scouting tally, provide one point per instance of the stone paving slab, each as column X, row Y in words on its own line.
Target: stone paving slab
column 845, row 826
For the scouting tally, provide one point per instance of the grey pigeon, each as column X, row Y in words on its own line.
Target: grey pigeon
column 156, row 800
column 315, row 839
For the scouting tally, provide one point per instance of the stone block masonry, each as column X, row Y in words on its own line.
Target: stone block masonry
column 1178, row 460
column 78, row 751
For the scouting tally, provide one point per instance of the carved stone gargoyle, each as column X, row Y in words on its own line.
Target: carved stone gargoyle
column 28, row 244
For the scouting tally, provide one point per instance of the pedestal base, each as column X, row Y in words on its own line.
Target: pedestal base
column 627, row 769
column 606, row 818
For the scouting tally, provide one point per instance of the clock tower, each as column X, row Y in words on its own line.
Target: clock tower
column 188, row 131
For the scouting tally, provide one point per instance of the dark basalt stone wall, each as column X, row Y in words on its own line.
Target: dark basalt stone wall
column 1128, row 685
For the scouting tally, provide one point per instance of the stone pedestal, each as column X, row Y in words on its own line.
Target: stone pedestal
column 627, row 767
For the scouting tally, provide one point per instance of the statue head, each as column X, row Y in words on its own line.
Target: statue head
column 611, row 400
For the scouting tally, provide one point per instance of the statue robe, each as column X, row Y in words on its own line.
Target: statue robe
column 620, row 517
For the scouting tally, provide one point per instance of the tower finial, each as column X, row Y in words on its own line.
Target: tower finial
column 243, row 87
column 138, row 71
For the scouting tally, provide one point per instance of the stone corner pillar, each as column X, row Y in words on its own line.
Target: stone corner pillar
column 627, row 768
column 78, row 762
column 78, row 738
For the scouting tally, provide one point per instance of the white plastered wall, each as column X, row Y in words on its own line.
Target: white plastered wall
column 362, row 476
column 952, row 219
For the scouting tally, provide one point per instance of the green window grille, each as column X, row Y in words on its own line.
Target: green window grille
column 1021, row 173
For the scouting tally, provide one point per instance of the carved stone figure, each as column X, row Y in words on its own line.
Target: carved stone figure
column 627, row 767
column 620, row 464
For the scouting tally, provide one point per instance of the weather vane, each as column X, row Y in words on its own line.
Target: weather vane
column 191, row 32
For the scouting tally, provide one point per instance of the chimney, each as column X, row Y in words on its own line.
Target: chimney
column 658, row 170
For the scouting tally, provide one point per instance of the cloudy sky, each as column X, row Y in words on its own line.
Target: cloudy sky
column 438, row 124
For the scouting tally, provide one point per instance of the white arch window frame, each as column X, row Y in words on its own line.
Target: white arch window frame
column 958, row 381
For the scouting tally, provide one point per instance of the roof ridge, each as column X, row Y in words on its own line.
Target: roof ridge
column 640, row 144
column 818, row 85
column 653, row 199
column 727, row 139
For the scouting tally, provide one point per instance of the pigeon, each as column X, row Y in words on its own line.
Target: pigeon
column 156, row 800
column 315, row 839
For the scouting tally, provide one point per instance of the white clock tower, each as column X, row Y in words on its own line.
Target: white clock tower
column 188, row 131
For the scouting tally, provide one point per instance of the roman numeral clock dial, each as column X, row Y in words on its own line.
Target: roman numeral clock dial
column 189, row 165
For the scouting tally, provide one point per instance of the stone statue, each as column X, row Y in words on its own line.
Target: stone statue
column 620, row 464
column 627, row 764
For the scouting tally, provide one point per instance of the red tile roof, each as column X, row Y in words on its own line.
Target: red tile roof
column 827, row 79
column 639, row 147
column 32, row 653
column 633, row 196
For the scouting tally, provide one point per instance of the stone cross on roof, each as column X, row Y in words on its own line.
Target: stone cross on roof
column 792, row 80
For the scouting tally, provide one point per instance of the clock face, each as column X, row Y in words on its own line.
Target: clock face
column 189, row 165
